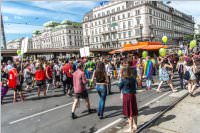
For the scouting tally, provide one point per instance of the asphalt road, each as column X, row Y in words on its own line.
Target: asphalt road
column 52, row 114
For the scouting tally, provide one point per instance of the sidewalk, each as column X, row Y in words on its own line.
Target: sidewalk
column 183, row 118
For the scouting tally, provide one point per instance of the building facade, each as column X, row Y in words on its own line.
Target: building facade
column 117, row 23
column 66, row 34
column 197, row 29
column 16, row 44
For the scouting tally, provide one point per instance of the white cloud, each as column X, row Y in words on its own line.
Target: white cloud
column 18, row 17
column 5, row 18
column 21, row 11
column 20, row 28
column 64, row 5
column 188, row 7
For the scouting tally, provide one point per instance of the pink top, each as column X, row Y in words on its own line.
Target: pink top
column 79, row 81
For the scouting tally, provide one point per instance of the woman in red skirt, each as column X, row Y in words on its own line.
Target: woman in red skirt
column 128, row 88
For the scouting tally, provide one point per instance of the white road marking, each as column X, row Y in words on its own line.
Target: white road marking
column 40, row 113
column 118, row 120
column 109, row 125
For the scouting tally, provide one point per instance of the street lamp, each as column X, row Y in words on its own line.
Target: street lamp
column 88, row 41
column 141, row 27
column 152, row 36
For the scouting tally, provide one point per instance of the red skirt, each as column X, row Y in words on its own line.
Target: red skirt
column 130, row 105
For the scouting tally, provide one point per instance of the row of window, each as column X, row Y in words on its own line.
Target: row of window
column 55, row 45
column 117, row 9
column 115, row 36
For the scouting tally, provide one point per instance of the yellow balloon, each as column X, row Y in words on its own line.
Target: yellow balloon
column 162, row 52
column 164, row 39
column 180, row 52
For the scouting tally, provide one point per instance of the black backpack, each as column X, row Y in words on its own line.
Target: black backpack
column 187, row 75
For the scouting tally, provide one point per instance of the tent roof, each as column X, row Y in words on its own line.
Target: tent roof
column 140, row 45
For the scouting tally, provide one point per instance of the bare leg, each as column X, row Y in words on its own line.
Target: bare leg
column 45, row 92
column 87, row 102
column 158, row 89
column 130, row 121
column 189, row 86
column 38, row 91
column 134, row 123
column 14, row 96
column 193, row 87
column 76, row 101
column 21, row 96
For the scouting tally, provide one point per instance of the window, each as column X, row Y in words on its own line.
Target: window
column 108, row 20
column 113, row 18
column 123, row 16
column 119, row 35
column 119, row 17
column 124, row 25
column 129, row 23
column 150, row 19
column 108, row 12
column 124, row 34
column 137, row 12
column 122, row 7
column 138, row 19
column 104, row 21
column 95, row 23
column 129, row 33
column 137, row 32
column 129, row 15
column 69, row 31
column 99, row 22
column 114, row 36
column 96, row 39
column 113, row 10
column 118, row 8
column 150, row 11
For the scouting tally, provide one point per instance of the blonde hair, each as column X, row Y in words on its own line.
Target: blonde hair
column 181, row 59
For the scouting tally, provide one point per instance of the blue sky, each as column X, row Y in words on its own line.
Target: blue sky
column 22, row 18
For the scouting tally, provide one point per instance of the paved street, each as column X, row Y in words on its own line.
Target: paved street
column 184, row 118
column 52, row 113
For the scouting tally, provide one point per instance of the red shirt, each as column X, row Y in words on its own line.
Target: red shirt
column 49, row 71
column 66, row 69
column 79, row 81
column 40, row 75
column 12, row 78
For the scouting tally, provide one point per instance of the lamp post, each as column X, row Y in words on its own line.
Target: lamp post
column 141, row 27
column 88, row 37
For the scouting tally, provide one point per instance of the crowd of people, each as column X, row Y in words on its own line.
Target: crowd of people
column 78, row 75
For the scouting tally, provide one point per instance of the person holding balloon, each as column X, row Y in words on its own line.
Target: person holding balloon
column 164, row 74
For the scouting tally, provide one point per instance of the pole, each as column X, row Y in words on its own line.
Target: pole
column 110, row 31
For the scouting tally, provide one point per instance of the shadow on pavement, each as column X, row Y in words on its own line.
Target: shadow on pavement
column 90, row 130
column 164, row 119
column 147, row 111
